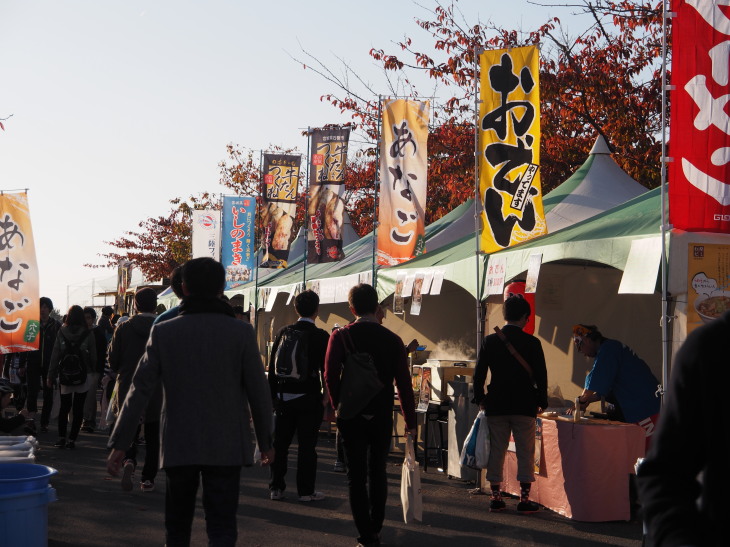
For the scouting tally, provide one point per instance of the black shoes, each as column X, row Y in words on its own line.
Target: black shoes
column 528, row 507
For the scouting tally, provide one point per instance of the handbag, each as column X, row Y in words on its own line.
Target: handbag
column 410, row 485
column 359, row 381
column 475, row 451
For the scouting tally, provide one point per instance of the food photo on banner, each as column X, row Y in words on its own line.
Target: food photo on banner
column 699, row 189
column 19, row 325
column 708, row 283
column 281, row 187
column 509, row 144
column 237, row 245
column 326, row 205
column 403, row 176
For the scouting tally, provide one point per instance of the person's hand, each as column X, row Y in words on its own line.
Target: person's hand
column 410, row 348
column 413, row 433
column 267, row 456
column 114, row 462
column 24, row 412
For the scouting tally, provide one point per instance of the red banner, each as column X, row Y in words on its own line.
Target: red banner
column 699, row 177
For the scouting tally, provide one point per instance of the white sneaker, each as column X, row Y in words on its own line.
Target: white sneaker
column 276, row 494
column 314, row 496
column 127, row 474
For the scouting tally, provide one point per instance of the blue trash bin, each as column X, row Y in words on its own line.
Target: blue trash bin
column 24, row 498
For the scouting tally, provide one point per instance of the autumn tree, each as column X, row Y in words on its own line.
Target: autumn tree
column 161, row 243
column 605, row 81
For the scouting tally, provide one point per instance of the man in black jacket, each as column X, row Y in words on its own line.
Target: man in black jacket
column 680, row 509
column 513, row 398
column 90, row 405
column 298, row 402
column 125, row 350
column 39, row 362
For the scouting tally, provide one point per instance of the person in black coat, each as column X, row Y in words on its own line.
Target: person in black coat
column 512, row 400
column 299, row 403
column 678, row 507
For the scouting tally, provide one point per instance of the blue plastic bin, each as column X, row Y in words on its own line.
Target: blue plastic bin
column 24, row 498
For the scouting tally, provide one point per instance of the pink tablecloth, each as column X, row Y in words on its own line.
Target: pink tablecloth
column 585, row 469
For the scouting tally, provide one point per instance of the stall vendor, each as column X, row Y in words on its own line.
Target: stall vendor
column 619, row 375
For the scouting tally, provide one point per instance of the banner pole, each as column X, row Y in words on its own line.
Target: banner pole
column 477, row 200
column 377, row 187
column 306, row 208
column 665, row 305
column 258, row 251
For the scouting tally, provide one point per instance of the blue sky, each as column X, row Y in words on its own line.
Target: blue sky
column 117, row 107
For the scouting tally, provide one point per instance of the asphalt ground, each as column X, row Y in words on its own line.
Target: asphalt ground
column 92, row 509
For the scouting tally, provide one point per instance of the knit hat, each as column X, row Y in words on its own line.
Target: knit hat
column 145, row 300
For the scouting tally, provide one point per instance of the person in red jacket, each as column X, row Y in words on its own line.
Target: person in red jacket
column 366, row 437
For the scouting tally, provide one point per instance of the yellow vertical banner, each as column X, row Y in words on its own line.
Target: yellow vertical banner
column 509, row 148
column 403, row 180
column 19, row 307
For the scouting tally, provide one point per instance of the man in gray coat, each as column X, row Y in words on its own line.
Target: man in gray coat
column 209, row 365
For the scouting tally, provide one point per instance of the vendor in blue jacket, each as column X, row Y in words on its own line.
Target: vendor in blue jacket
column 619, row 375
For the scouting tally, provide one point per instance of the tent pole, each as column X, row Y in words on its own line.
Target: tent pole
column 377, row 187
column 477, row 200
column 665, row 311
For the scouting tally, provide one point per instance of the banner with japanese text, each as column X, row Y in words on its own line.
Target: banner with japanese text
column 281, row 186
column 326, row 205
column 237, row 239
column 206, row 233
column 699, row 176
column 708, row 283
column 403, row 180
column 509, row 148
column 20, row 312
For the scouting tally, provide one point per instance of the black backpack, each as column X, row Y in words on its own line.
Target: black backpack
column 72, row 365
column 291, row 361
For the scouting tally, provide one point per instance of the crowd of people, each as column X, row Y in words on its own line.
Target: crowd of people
column 172, row 377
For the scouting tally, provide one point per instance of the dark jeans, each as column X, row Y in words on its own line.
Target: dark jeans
column 33, row 372
column 366, row 444
column 220, row 503
column 302, row 416
column 47, row 400
column 152, row 450
column 75, row 400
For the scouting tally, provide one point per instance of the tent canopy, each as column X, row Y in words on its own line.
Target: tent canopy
column 597, row 186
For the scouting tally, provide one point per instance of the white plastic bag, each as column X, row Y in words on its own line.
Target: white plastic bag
column 482, row 449
column 410, row 485
column 475, row 452
column 56, row 406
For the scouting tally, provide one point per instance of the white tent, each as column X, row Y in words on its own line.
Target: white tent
column 597, row 186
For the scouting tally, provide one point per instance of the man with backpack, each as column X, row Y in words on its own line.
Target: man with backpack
column 295, row 378
column 366, row 429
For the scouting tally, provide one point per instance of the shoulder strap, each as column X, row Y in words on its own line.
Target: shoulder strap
column 347, row 340
column 513, row 351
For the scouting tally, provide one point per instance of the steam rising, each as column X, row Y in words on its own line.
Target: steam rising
column 452, row 349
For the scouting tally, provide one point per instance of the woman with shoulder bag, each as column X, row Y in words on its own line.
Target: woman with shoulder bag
column 74, row 355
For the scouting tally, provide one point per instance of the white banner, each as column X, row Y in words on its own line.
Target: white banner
column 207, row 234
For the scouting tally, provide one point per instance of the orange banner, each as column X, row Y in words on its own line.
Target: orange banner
column 20, row 310
column 403, row 175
